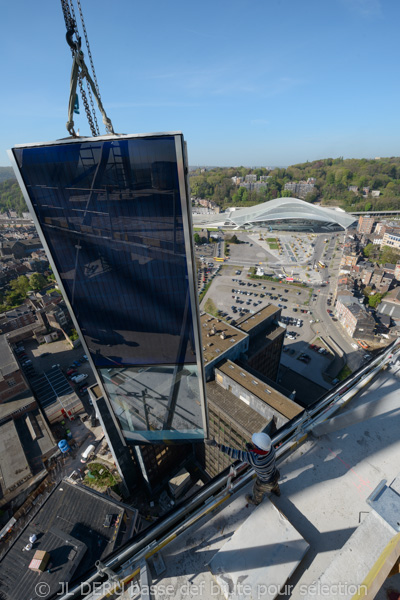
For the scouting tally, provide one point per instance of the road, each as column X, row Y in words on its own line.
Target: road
column 326, row 325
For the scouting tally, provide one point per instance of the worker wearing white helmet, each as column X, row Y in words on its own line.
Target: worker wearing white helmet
column 261, row 456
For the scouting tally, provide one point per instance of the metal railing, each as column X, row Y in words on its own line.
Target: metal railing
column 124, row 564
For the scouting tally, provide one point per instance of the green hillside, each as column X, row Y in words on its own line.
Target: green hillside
column 333, row 178
column 11, row 197
column 6, row 173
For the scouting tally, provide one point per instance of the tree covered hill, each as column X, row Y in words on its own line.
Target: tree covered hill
column 11, row 197
column 6, row 173
column 333, row 178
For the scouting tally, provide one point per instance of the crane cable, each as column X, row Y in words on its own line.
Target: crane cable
column 80, row 72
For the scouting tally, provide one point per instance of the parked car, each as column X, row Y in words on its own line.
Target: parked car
column 79, row 378
column 71, row 372
column 45, row 354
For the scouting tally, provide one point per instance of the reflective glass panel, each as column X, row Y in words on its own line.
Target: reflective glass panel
column 160, row 401
column 112, row 216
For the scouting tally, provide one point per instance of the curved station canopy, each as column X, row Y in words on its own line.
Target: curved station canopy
column 282, row 213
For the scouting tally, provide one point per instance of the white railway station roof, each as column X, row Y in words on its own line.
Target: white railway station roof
column 287, row 210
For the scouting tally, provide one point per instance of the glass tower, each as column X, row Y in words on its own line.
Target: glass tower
column 113, row 214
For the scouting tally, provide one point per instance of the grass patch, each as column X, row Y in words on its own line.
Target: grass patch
column 204, row 291
column 100, row 476
column 344, row 373
column 252, row 275
column 210, row 308
column 273, row 246
column 208, row 228
column 273, row 240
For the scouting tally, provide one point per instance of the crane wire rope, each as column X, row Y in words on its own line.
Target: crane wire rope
column 90, row 112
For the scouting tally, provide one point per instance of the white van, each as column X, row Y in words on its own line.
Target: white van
column 85, row 455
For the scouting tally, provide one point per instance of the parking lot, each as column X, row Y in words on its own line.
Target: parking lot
column 43, row 357
column 235, row 295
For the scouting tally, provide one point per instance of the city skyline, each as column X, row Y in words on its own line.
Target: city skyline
column 271, row 85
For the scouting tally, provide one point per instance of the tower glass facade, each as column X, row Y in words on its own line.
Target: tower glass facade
column 113, row 215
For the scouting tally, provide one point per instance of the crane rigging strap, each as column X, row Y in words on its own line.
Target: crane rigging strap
column 80, row 72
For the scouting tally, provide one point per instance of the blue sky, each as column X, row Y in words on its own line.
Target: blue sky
column 256, row 83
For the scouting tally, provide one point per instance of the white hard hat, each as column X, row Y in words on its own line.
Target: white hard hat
column 262, row 441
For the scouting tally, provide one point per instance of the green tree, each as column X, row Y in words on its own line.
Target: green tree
column 312, row 196
column 369, row 248
column 389, row 255
column 37, row 281
column 233, row 239
column 330, row 178
column 374, row 300
column 13, row 299
column 20, row 285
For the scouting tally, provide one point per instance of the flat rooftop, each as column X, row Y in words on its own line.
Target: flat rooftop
column 324, row 483
column 307, row 391
column 248, row 419
column 263, row 339
column 248, row 323
column 8, row 363
column 16, row 405
column 52, row 386
column 268, row 394
column 36, row 438
column 219, row 345
column 18, row 334
column 70, row 527
column 13, row 464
